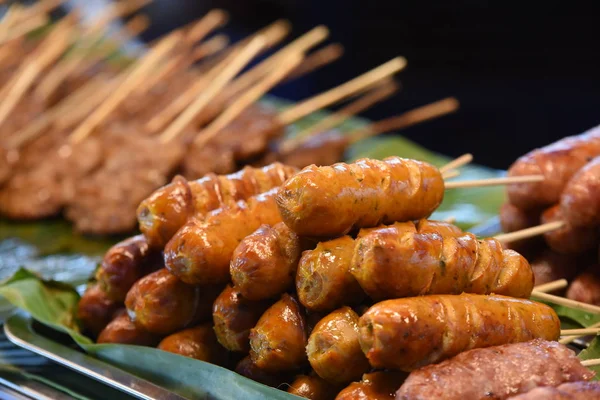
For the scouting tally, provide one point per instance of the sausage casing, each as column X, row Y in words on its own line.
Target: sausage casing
column 199, row 342
column 313, row 387
column 95, row 310
column 122, row 330
column 409, row 333
column 200, row 252
column 586, row 286
column 580, row 201
column 580, row 390
column 331, row 201
column 568, row 239
column 557, row 162
column 169, row 208
column 380, row 385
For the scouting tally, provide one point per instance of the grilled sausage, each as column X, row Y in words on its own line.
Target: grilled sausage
column 169, row 208
column 200, row 252
column 162, row 304
column 326, row 148
column 331, row 201
column 393, row 262
column 586, row 287
column 557, row 162
column 95, row 310
column 550, row 266
column 234, row 316
column 580, row 201
column 125, row 263
column 199, row 343
column 581, row 390
column 278, row 340
column 270, row 378
column 380, row 385
column 334, row 350
column 568, row 239
column 122, row 330
column 312, row 387
column 264, row 264
column 409, row 333
column 495, row 372
column 512, row 218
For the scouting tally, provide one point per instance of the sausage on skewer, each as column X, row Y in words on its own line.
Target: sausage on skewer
column 580, row 201
column 568, row 239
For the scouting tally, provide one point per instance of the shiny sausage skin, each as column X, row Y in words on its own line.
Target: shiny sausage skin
column 248, row 369
column 380, row 385
column 169, row 208
column 393, row 262
column 313, row 387
column 200, row 252
column 580, row 201
column 122, row 331
column 586, row 287
column 95, row 310
column 125, row 263
column 557, row 162
column 234, row 316
column 334, row 350
column 581, row 390
column 495, row 373
column 409, row 333
column 512, row 218
column 199, row 343
column 332, row 201
column 278, row 341
column 568, row 239
column 264, row 264
column 162, row 304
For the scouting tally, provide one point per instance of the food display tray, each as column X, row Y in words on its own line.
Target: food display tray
column 23, row 331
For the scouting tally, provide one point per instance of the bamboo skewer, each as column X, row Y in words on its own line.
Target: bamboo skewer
column 495, row 181
column 571, row 338
column 23, row 28
column 566, row 302
column 591, row 363
column 529, row 232
column 450, row 174
column 343, row 91
column 240, row 60
column 457, row 162
column 211, row 46
column 211, row 21
column 551, row 286
column 39, row 8
column 134, row 76
column 247, row 99
column 580, row 332
column 317, row 59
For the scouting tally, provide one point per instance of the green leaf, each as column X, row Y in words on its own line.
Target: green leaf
column 583, row 318
column 592, row 353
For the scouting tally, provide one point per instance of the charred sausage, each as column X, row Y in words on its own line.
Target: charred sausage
column 409, row 333
column 568, row 239
column 496, row 372
column 333, row 200
column 199, row 343
column 580, row 201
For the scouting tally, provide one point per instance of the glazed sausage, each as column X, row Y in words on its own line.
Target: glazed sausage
column 169, row 208
column 332, row 201
column 568, row 239
column 278, row 341
column 270, row 378
column 334, row 350
column 199, row 343
column 512, row 218
column 264, row 264
column 586, row 286
column 409, row 333
column 580, row 201
column 234, row 316
column 162, row 304
column 557, row 162
column 200, row 252
column 496, row 372
column 380, row 385
column 393, row 262
column 122, row 330
column 313, row 387
column 581, row 390
column 95, row 310
column 125, row 263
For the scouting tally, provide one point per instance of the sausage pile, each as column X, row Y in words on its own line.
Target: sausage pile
column 331, row 280
column 570, row 193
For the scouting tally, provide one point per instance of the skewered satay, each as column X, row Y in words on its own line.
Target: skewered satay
column 199, row 342
column 499, row 371
column 409, row 333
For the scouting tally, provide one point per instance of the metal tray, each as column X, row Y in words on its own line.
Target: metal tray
column 20, row 329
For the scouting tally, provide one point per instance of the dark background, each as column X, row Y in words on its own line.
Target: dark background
column 526, row 74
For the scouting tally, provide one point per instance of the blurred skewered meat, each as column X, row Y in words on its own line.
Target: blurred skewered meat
column 568, row 239
column 549, row 266
column 586, row 286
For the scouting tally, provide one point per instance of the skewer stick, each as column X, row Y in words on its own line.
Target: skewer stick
column 566, row 302
column 591, row 363
column 457, row 162
column 225, row 76
column 364, row 102
column 580, row 332
column 24, row 28
column 211, row 21
column 495, row 181
column 450, row 174
column 247, row 99
column 39, row 8
column 529, row 232
column 317, row 59
column 343, row 91
column 210, row 47
column 272, row 35
column 571, row 338
column 135, row 75
column 409, row 118
column 551, row 286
